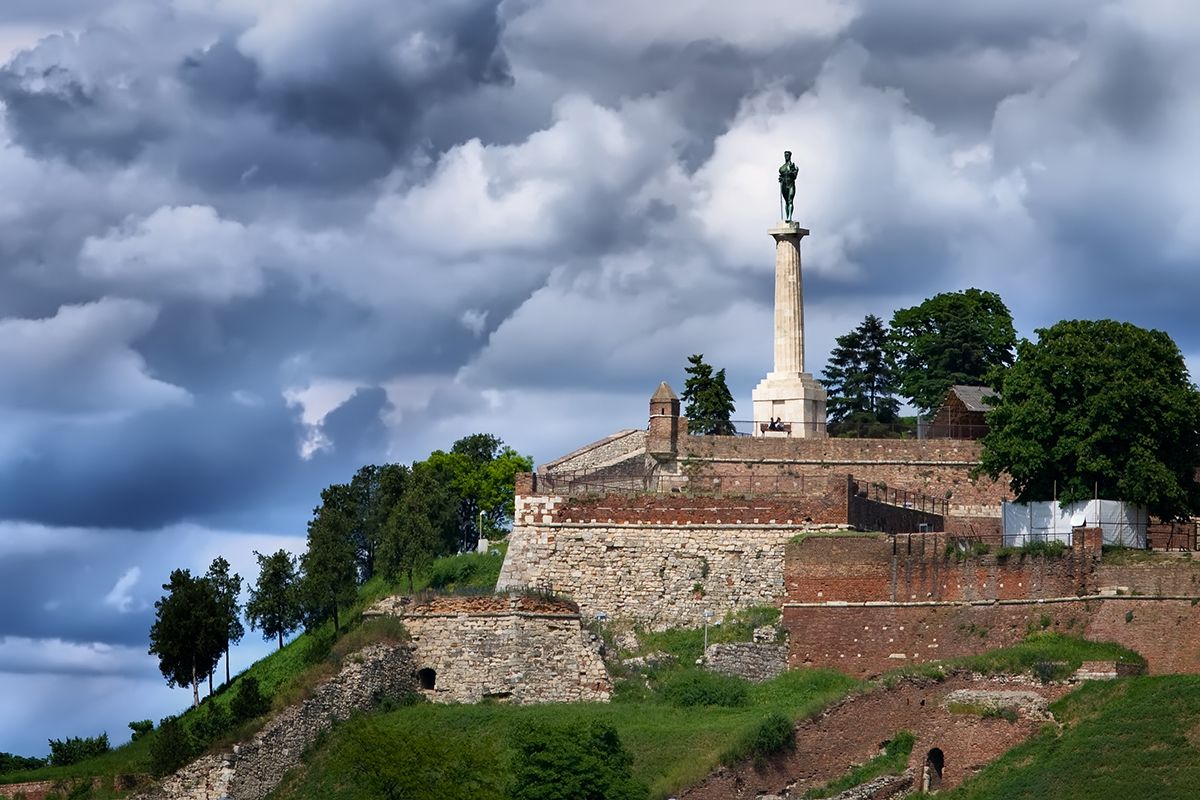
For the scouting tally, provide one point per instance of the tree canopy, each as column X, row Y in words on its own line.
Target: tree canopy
column 861, row 375
column 227, row 587
column 274, row 605
column 1098, row 405
column 189, row 631
column 709, row 403
column 330, row 581
column 952, row 338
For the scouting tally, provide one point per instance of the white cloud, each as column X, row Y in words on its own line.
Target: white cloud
column 81, row 360
column 177, row 251
column 315, row 401
column 121, row 597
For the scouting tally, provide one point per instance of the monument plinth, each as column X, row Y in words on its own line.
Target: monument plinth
column 789, row 402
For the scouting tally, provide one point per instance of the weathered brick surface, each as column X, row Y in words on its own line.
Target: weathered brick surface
column 852, row 732
column 918, row 567
column 1164, row 575
column 870, row 639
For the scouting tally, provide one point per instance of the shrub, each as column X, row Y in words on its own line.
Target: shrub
column 773, row 735
column 171, row 749
column 140, row 728
column 698, row 688
column 575, row 761
column 1045, row 671
column 249, row 702
column 75, row 749
column 212, row 721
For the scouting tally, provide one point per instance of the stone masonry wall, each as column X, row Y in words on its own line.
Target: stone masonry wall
column 254, row 768
column 754, row 661
column 661, row 574
column 505, row 649
column 622, row 446
column 871, row 638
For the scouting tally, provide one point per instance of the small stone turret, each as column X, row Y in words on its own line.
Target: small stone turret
column 666, row 426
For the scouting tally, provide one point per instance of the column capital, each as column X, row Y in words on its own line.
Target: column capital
column 783, row 229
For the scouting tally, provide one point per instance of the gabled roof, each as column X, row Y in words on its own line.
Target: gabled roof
column 973, row 396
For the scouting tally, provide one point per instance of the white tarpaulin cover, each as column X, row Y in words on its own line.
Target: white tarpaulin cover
column 1123, row 524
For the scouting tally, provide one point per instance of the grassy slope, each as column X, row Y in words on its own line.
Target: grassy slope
column 437, row 751
column 1132, row 738
column 285, row 674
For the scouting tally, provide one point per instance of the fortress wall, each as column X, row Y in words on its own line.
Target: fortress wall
column 917, row 567
column 642, row 571
column 866, row 640
column 936, row 467
column 612, row 451
column 1162, row 575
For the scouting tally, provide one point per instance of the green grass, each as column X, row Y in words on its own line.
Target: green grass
column 1129, row 738
column 287, row 675
column 437, row 751
column 687, row 644
column 892, row 761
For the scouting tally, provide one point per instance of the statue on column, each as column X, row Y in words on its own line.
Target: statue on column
column 787, row 183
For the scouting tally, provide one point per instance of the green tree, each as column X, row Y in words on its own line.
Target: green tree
column 64, row 752
column 709, row 403
column 372, row 493
column 274, row 605
column 171, row 748
column 330, row 581
column 417, row 527
column 140, row 728
column 952, row 338
column 189, row 631
column 227, row 586
column 861, row 375
column 14, row 763
column 576, row 761
column 1098, row 405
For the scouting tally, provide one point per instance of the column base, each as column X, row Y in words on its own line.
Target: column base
column 794, row 397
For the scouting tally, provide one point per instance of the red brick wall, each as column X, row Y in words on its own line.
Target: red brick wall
column 916, row 567
column 869, row 640
column 986, row 529
column 936, row 467
column 1163, row 575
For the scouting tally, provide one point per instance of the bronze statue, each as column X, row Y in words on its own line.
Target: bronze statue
column 787, row 183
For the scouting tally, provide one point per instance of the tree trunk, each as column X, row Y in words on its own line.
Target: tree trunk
column 195, row 687
column 281, row 638
column 226, row 663
column 210, row 672
column 336, row 624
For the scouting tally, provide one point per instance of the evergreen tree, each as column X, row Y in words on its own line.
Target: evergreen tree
column 189, row 631
column 861, row 376
column 709, row 403
column 274, row 605
column 951, row 338
column 417, row 527
column 330, row 581
column 227, row 587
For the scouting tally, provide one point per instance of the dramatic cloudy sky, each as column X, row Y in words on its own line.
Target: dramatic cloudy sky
column 248, row 245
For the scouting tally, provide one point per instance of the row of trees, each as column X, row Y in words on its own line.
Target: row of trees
column 388, row 520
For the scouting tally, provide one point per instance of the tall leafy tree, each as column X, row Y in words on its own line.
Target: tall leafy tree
column 274, row 605
column 227, row 586
column 189, row 631
column 952, row 338
column 417, row 527
column 330, row 581
column 1098, row 405
column 861, row 375
column 709, row 403
column 479, row 470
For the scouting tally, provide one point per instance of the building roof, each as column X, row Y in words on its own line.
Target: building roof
column 973, row 396
column 663, row 392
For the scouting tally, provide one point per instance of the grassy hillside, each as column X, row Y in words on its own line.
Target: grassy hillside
column 1131, row 738
column 285, row 676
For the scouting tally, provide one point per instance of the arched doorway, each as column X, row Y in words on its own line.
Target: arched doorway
column 931, row 777
column 427, row 677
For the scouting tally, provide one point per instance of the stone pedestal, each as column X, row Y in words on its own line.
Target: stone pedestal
column 788, row 392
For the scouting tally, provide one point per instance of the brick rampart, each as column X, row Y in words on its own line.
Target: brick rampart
column 903, row 568
column 937, row 467
column 1162, row 575
column 869, row 639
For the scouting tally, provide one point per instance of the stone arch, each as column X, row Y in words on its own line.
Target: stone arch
column 931, row 775
column 427, row 678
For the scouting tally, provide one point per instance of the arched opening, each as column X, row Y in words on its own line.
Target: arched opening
column 427, row 677
column 935, row 762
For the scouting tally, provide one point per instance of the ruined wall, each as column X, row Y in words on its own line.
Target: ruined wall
column 936, row 467
column 254, row 768
column 851, row 732
column 624, row 447
column 647, row 571
column 918, row 567
column 512, row 649
column 754, row 661
column 869, row 639
column 1162, row 575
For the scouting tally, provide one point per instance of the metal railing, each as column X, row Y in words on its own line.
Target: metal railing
column 903, row 498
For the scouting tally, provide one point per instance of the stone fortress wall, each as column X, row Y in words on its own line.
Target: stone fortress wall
column 510, row 649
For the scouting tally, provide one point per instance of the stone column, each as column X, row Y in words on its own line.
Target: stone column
column 789, row 299
column 788, row 392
